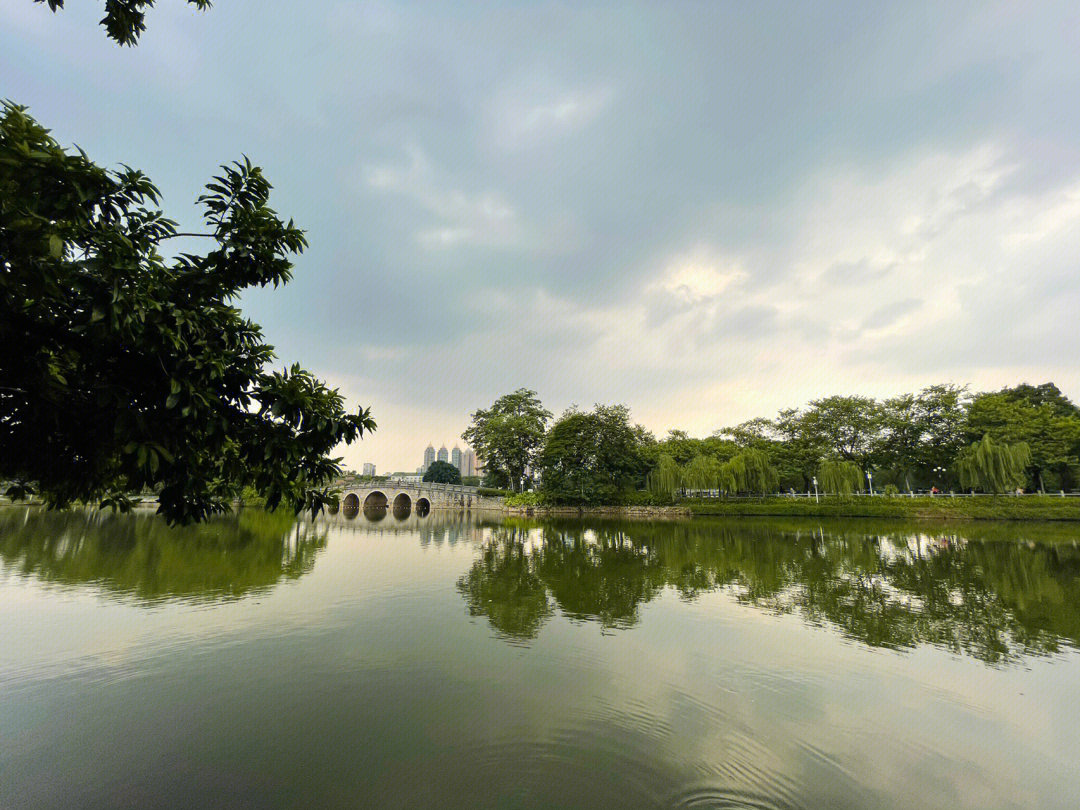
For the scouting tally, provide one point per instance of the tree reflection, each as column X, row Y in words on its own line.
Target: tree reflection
column 140, row 555
column 979, row 593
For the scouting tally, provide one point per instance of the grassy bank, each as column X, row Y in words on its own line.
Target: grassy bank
column 940, row 507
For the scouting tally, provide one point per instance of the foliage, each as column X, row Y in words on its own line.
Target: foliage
column 509, row 435
column 890, row 490
column 993, row 467
column 125, row 20
column 442, row 472
column 666, row 477
column 845, row 427
column 123, row 371
column 703, row 472
column 493, row 492
column 591, row 458
column 1038, row 416
column 839, row 477
column 525, row 499
column 749, row 471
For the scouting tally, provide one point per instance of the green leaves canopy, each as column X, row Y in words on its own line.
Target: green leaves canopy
column 993, row 467
column 840, row 477
column 509, row 435
column 123, row 371
column 592, row 458
column 442, row 472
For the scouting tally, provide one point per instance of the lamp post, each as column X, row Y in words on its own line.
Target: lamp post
column 870, row 479
column 815, row 491
column 938, row 472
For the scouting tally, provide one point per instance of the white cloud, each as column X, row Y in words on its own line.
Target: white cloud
column 529, row 115
column 462, row 218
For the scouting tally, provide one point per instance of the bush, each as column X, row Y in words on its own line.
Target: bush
column 891, row 489
column 525, row 499
column 646, row 498
column 491, row 492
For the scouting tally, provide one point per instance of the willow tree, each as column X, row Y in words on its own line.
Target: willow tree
column 702, row 472
column 666, row 477
column 993, row 467
column 749, row 471
column 840, row 477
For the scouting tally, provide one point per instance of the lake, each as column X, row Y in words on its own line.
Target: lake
column 449, row 662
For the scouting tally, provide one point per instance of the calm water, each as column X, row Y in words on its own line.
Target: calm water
column 440, row 663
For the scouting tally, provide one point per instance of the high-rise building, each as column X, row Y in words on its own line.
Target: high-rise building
column 429, row 457
column 444, row 454
column 369, row 468
column 468, row 463
column 455, row 457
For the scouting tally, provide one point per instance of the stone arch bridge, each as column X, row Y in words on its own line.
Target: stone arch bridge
column 422, row 497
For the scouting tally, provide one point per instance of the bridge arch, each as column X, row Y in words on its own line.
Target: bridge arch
column 376, row 499
column 423, row 506
column 351, row 502
column 402, row 501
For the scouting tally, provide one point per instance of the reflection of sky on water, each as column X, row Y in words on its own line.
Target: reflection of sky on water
column 365, row 678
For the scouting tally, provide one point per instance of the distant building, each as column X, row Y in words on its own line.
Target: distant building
column 369, row 469
column 444, row 454
column 406, row 477
column 468, row 463
column 455, row 457
column 429, row 458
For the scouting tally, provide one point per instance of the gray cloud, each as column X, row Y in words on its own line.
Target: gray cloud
column 705, row 210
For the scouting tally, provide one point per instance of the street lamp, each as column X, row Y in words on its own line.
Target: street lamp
column 938, row 473
column 815, row 491
column 870, row 478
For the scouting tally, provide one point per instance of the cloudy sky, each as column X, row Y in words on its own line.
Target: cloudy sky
column 707, row 211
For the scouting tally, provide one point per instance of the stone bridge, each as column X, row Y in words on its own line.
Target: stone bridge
column 401, row 496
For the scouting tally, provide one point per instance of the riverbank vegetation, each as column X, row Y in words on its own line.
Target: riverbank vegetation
column 942, row 439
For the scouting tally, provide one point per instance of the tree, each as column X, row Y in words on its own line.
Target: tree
column 665, row 477
column 840, row 477
column 847, row 427
column 125, row 20
column 442, row 472
column 702, row 473
column 1039, row 417
column 509, row 435
column 123, row 371
column 993, row 467
column 592, row 458
column 922, row 432
column 749, row 471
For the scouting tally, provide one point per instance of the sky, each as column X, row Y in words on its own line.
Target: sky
column 706, row 211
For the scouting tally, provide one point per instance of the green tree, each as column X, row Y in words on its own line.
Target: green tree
column 123, row 371
column 1038, row 416
column 509, row 435
column 702, row 473
column 921, row 432
column 993, row 467
column 125, row 20
column 846, row 427
column 592, row 458
column 442, row 472
column 840, row 477
column 749, row 471
column 666, row 477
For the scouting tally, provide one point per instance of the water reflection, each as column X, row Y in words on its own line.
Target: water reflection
column 989, row 597
column 141, row 556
